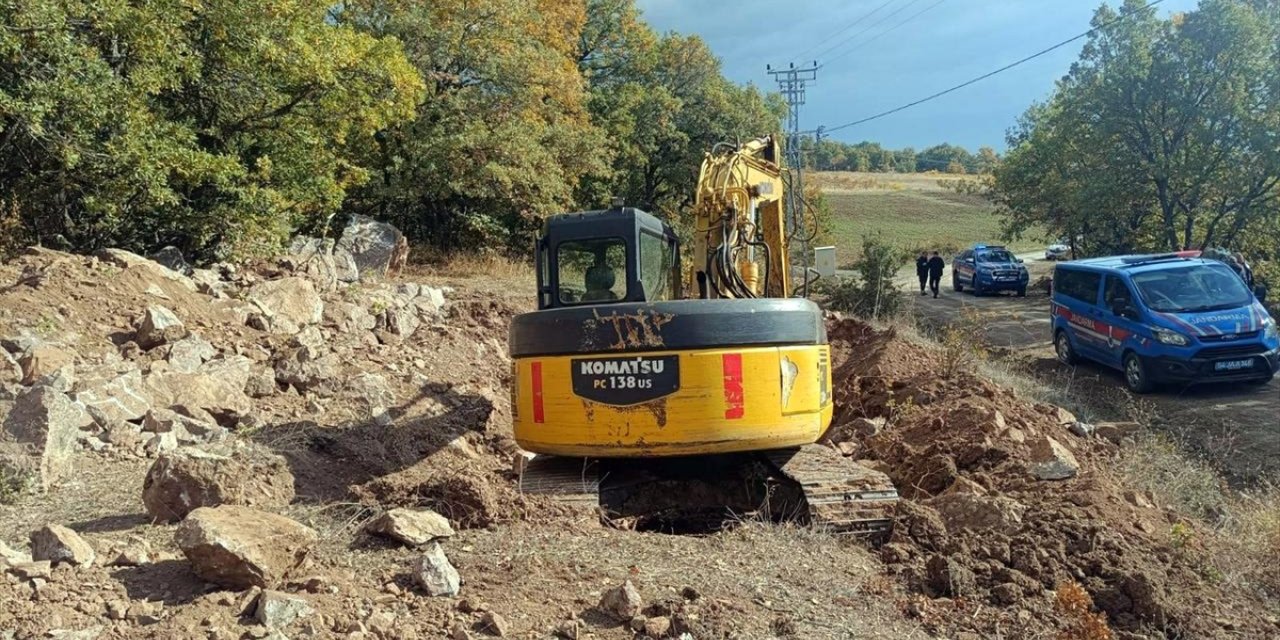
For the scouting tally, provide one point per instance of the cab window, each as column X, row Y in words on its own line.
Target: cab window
column 1116, row 294
column 657, row 266
column 1080, row 285
column 592, row 270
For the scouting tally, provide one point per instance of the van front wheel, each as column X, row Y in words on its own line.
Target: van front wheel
column 1135, row 374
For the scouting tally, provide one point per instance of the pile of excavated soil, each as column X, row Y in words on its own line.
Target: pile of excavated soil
column 982, row 537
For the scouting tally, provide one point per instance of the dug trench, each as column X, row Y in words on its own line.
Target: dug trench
column 348, row 400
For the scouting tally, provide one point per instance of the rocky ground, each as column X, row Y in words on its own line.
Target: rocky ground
column 318, row 446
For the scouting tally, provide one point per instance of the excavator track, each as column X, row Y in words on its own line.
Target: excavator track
column 813, row 485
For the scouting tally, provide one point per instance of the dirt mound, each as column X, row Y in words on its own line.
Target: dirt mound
column 978, row 525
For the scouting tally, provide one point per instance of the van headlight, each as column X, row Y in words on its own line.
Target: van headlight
column 1270, row 331
column 1174, row 338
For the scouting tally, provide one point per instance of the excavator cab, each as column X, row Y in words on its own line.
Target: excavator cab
column 600, row 257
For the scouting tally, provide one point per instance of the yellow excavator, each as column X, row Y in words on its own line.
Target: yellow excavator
column 677, row 399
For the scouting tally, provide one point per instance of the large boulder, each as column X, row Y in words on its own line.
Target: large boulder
column 306, row 370
column 374, row 395
column 322, row 262
column 217, row 387
column 58, row 544
column 378, row 249
column 45, row 423
column 289, row 303
column 182, row 481
column 171, row 258
column 158, row 326
column 239, row 547
column 118, row 396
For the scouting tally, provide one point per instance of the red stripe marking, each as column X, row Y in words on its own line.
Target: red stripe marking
column 538, row 415
column 734, row 397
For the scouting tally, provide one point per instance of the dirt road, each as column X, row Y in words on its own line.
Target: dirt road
column 1237, row 427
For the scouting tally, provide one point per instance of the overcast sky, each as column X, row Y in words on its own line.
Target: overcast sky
column 884, row 65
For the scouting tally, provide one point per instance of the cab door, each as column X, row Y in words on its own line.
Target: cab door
column 964, row 267
column 1121, row 318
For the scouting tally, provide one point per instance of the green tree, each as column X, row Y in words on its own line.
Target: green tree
column 216, row 125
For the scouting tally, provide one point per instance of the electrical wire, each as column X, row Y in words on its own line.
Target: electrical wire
column 846, row 28
column 869, row 28
column 878, row 35
column 984, row 76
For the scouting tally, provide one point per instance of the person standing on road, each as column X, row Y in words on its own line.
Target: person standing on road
column 922, row 269
column 936, row 265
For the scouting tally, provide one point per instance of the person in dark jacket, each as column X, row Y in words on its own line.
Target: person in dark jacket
column 922, row 270
column 936, row 265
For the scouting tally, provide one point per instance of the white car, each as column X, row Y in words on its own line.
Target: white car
column 1057, row 251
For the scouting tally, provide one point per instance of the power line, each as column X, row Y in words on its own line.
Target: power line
column 997, row 71
column 869, row 28
column 873, row 38
column 846, row 28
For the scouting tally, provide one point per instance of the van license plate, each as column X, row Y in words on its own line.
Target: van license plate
column 1233, row 365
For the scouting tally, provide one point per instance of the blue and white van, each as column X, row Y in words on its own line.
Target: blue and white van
column 1163, row 320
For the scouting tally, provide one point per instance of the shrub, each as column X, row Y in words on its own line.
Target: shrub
column 871, row 293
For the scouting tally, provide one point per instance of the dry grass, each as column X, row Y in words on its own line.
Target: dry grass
column 475, row 264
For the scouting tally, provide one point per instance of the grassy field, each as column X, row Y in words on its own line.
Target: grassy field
column 911, row 211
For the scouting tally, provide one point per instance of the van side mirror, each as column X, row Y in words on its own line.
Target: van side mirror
column 1020, row 260
column 1125, row 309
column 969, row 260
column 1260, row 292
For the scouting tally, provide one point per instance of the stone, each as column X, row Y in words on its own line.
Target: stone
column 435, row 574
column 413, row 527
column 185, row 429
column 132, row 555
column 622, row 602
column 113, row 397
column 188, row 354
column 346, row 317
column 493, row 624
column 375, row 396
column 131, row 261
column 1116, row 432
column 43, row 361
column 161, row 443
column 188, row 479
column 58, row 544
column 569, row 629
column 240, row 547
column 261, row 384
column 276, row 610
column 949, row 578
column 293, row 299
column 657, row 627
column 400, row 323
column 970, row 512
column 11, row 556
column 307, row 372
column 1080, row 429
column 159, row 326
column 210, row 283
column 171, row 258
column 45, row 423
column 459, row 631
column 10, row 370
column 378, row 249
column 1052, row 461
column 1064, row 417
column 35, row 570
column 207, row 390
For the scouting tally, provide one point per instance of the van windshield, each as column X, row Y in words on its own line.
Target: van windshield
column 1201, row 287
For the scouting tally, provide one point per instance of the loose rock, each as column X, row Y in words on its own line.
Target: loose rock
column 45, row 422
column 622, row 602
column 412, row 527
column 378, row 248
column 58, row 544
column 159, row 326
column 276, row 610
column 240, row 547
column 43, row 360
column 188, row 479
column 493, row 624
column 435, row 574
column 1052, row 461
column 188, row 354
column 293, row 300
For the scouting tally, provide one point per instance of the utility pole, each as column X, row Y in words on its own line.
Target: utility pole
column 792, row 82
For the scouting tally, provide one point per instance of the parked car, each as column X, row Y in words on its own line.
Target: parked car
column 1163, row 319
column 1057, row 251
column 988, row 268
